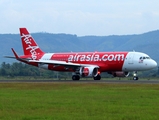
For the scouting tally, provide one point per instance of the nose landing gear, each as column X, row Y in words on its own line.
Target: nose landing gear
column 135, row 76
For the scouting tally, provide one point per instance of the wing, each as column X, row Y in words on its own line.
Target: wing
column 53, row 62
column 62, row 63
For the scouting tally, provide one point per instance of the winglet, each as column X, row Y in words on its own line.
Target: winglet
column 17, row 57
column 15, row 54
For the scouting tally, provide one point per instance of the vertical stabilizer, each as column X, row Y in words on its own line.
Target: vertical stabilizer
column 30, row 47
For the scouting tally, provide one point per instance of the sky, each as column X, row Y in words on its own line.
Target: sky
column 80, row 17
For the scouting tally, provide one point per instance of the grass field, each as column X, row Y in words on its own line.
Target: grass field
column 79, row 101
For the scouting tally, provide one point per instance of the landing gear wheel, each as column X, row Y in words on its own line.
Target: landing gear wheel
column 135, row 78
column 75, row 77
column 98, row 77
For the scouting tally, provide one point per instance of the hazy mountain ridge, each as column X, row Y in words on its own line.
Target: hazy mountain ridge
column 146, row 42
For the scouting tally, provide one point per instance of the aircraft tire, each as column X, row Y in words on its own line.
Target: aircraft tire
column 98, row 77
column 75, row 77
column 135, row 78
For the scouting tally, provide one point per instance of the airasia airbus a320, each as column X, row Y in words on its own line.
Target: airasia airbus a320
column 83, row 64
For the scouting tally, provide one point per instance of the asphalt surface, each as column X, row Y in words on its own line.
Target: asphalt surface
column 83, row 81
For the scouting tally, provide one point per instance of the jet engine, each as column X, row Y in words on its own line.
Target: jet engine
column 88, row 71
column 120, row 74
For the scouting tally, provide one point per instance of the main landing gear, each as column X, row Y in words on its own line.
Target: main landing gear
column 135, row 76
column 77, row 77
column 98, row 77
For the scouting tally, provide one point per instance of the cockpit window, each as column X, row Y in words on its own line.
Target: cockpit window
column 141, row 58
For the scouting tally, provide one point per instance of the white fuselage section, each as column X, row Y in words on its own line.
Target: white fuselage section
column 136, row 61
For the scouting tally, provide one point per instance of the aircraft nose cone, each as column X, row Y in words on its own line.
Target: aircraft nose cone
column 153, row 64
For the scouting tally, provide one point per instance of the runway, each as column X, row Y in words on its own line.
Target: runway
column 84, row 81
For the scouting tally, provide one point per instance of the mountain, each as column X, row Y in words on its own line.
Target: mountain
column 146, row 42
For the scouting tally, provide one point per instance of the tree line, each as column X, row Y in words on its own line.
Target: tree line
column 22, row 69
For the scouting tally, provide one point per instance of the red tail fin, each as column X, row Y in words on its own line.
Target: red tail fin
column 29, row 45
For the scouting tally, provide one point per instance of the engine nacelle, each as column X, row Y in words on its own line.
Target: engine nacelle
column 120, row 74
column 88, row 71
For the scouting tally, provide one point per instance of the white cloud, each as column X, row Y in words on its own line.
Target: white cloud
column 81, row 17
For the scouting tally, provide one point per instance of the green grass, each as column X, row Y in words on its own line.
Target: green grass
column 79, row 101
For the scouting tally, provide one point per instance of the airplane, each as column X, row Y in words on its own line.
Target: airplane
column 83, row 64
